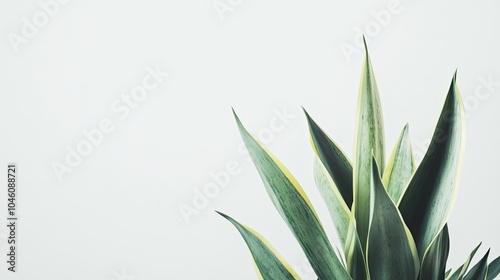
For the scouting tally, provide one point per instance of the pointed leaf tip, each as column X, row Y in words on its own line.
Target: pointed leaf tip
column 364, row 43
column 220, row 213
column 306, row 113
column 268, row 262
column 374, row 165
column 480, row 270
column 235, row 115
column 431, row 193
column 295, row 208
column 400, row 167
column 369, row 137
column 391, row 251
column 335, row 162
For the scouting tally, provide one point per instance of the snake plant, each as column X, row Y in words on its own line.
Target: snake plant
column 390, row 215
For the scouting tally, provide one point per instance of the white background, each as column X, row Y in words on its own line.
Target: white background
column 116, row 215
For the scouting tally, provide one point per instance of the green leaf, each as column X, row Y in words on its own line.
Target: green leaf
column 428, row 200
column 391, row 252
column 333, row 158
column 480, row 270
column 295, row 208
column 400, row 167
column 356, row 261
column 369, row 141
column 460, row 272
column 493, row 269
column 434, row 262
column 269, row 264
column 339, row 212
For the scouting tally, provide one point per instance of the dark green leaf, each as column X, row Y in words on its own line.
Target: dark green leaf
column 333, row 158
column 391, row 252
column 368, row 143
column 480, row 270
column 493, row 269
column 295, row 208
column 269, row 264
column 400, row 167
column 434, row 262
column 428, row 200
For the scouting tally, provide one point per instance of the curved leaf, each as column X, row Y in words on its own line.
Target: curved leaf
column 268, row 263
column 333, row 158
column 427, row 202
column 369, row 141
column 400, row 167
column 434, row 262
column 493, row 269
column 391, row 251
column 356, row 261
column 480, row 270
column 460, row 272
column 295, row 208
column 339, row 212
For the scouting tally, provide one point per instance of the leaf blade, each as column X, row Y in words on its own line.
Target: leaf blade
column 295, row 208
column 391, row 251
column 369, row 141
column 356, row 261
column 434, row 261
column 480, row 270
column 460, row 272
column 333, row 158
column 400, row 167
column 339, row 212
column 431, row 193
column 493, row 269
column 269, row 264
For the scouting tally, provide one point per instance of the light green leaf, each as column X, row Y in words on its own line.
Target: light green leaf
column 356, row 261
column 340, row 256
column 391, row 251
column 434, row 262
column 493, row 269
column 333, row 158
column 339, row 212
column 480, row 270
column 428, row 200
column 460, row 272
column 400, row 167
column 368, row 142
column 295, row 208
column 268, row 263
